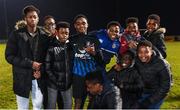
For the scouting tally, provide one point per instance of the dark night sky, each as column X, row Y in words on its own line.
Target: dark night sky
column 99, row 12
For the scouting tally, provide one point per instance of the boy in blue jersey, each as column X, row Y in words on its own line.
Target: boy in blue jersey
column 84, row 58
column 109, row 41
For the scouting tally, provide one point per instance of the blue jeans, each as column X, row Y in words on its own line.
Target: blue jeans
column 37, row 98
column 152, row 106
column 66, row 96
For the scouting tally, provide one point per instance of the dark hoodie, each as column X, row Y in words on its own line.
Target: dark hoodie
column 157, row 39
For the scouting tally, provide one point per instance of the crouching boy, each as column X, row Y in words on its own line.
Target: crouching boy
column 104, row 95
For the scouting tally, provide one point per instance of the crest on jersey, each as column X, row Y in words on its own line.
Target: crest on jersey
column 113, row 45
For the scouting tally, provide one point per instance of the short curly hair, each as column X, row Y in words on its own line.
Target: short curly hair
column 113, row 23
column 79, row 16
column 155, row 17
column 30, row 8
column 144, row 43
column 47, row 17
column 62, row 24
column 132, row 20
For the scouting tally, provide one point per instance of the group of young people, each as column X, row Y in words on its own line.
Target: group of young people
column 55, row 67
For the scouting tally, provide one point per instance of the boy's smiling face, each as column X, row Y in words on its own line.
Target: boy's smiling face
column 132, row 28
column 81, row 25
column 144, row 53
column 151, row 25
column 126, row 60
column 113, row 32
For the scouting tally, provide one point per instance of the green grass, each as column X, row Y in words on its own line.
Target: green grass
column 7, row 97
column 173, row 52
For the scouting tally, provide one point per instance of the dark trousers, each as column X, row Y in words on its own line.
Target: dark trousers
column 152, row 106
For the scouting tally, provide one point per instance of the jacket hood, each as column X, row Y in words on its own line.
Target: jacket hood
column 161, row 30
column 158, row 31
column 39, row 29
column 107, row 88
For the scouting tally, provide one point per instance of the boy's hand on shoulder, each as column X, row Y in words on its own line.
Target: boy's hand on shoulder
column 117, row 67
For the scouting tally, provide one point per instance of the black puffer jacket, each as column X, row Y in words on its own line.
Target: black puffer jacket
column 19, row 53
column 58, row 65
column 157, row 39
column 108, row 99
column 130, row 83
column 156, row 76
